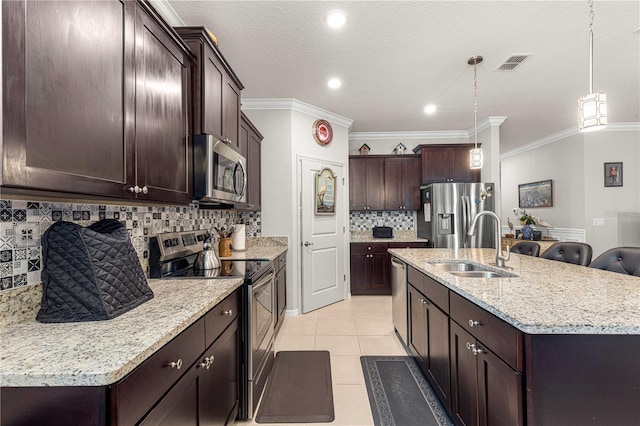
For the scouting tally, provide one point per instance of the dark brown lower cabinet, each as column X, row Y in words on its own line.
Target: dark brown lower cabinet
column 208, row 393
column 281, row 289
column 370, row 269
column 429, row 341
column 484, row 390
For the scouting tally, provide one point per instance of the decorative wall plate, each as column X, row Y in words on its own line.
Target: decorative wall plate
column 322, row 132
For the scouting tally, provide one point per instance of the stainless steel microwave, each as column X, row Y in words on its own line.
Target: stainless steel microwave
column 219, row 171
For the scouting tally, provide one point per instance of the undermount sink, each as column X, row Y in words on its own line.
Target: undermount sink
column 471, row 270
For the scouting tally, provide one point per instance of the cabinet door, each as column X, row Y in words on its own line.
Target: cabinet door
column 460, row 170
column 436, row 363
column 500, row 391
column 374, row 179
column 378, row 274
column 231, row 113
column 417, row 324
column 179, row 406
column 357, row 184
column 68, row 85
column 212, row 87
column 219, row 384
column 411, row 183
column 393, row 184
column 254, row 184
column 162, row 130
column 282, row 293
column 436, row 164
column 359, row 263
column 464, row 385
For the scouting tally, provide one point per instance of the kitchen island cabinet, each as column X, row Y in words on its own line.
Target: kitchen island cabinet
column 183, row 364
column 82, row 111
column 535, row 348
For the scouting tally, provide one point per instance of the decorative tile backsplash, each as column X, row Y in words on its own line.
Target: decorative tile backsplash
column 22, row 224
column 364, row 221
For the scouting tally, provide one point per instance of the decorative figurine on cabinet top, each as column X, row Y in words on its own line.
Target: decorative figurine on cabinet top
column 400, row 149
column 364, row 149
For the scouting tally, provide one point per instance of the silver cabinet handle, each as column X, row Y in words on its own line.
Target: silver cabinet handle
column 423, row 302
column 135, row 189
column 144, row 190
column 473, row 323
column 474, row 350
column 177, row 364
column 307, row 244
column 207, row 363
column 228, row 313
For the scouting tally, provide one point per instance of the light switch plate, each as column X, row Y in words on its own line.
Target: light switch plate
column 598, row 221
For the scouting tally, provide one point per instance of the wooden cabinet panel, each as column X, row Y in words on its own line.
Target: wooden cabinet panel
column 447, row 163
column 499, row 392
column 402, row 183
column 281, row 289
column 370, row 268
column 417, row 336
column 411, row 168
column 69, row 119
column 366, row 183
column 464, row 388
column 253, row 156
column 231, row 113
column 223, row 314
column 212, row 85
column 162, row 130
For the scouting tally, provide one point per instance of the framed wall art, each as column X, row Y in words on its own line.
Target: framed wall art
column 612, row 174
column 536, row 194
column 325, row 192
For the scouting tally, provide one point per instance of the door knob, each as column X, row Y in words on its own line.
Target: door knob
column 307, row 244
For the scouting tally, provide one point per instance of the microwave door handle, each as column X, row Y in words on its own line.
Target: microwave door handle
column 239, row 193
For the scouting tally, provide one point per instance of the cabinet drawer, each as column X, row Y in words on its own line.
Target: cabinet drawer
column 139, row 391
column 223, row 314
column 435, row 291
column 369, row 247
column 501, row 338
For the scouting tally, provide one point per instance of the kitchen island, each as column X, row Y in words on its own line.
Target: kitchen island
column 555, row 344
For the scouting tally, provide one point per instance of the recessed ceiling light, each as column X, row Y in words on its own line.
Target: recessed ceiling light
column 430, row 109
column 334, row 83
column 336, row 18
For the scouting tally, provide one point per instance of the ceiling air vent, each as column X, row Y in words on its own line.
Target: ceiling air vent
column 512, row 61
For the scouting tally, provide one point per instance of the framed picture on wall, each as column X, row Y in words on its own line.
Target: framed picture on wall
column 612, row 174
column 536, row 194
column 325, row 192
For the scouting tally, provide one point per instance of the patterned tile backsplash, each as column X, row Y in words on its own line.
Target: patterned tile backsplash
column 22, row 224
column 400, row 220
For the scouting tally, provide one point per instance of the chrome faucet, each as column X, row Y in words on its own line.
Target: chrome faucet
column 500, row 259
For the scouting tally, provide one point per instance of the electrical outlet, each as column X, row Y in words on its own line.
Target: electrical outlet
column 598, row 221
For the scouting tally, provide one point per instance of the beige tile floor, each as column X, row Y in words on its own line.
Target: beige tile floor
column 358, row 326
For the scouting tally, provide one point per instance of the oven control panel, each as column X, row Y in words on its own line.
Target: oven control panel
column 179, row 244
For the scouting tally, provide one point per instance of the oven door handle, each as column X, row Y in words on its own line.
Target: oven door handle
column 263, row 281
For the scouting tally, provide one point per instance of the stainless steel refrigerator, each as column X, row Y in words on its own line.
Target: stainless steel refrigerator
column 448, row 210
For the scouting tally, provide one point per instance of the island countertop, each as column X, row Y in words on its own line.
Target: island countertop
column 546, row 297
column 102, row 352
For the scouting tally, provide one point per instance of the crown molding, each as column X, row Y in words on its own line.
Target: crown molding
column 296, row 105
column 372, row 136
column 164, row 8
column 555, row 137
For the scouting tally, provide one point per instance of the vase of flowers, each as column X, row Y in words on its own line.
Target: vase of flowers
column 526, row 220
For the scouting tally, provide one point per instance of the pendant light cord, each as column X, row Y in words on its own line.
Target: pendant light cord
column 591, row 16
column 475, row 105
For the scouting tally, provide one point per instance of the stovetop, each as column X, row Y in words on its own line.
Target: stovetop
column 172, row 255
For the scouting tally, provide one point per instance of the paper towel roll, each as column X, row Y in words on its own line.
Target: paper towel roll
column 238, row 239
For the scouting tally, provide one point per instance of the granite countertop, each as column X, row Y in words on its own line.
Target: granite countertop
column 102, row 352
column 546, row 297
column 399, row 236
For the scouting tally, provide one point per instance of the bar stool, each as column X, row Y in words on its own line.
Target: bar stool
column 569, row 252
column 526, row 247
column 623, row 260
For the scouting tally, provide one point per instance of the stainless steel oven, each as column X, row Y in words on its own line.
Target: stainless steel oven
column 219, row 171
column 260, row 337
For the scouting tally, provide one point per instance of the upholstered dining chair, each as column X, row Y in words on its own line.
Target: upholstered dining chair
column 526, row 247
column 569, row 252
column 624, row 260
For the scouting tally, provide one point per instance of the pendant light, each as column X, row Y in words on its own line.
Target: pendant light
column 592, row 108
column 475, row 155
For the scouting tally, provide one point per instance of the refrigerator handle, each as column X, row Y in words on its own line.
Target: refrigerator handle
column 465, row 218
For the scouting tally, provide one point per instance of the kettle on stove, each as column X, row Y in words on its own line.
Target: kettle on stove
column 207, row 258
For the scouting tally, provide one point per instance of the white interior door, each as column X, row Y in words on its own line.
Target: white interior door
column 322, row 237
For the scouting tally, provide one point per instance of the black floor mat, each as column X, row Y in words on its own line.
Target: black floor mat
column 399, row 393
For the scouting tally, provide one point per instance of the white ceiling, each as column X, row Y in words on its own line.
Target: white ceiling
column 394, row 57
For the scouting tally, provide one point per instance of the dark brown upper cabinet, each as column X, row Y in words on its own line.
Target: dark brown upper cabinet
column 250, row 147
column 86, row 110
column 366, row 183
column 217, row 89
column 402, row 183
column 446, row 163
